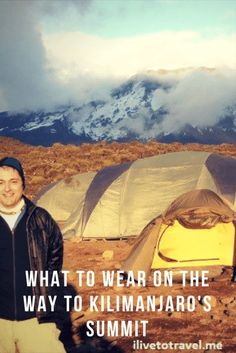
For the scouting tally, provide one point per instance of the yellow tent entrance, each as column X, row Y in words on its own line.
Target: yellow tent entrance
column 178, row 246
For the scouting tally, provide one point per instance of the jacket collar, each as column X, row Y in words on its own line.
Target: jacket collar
column 29, row 204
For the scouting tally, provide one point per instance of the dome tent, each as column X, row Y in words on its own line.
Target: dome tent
column 120, row 200
column 197, row 229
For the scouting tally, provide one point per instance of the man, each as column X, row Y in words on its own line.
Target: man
column 29, row 240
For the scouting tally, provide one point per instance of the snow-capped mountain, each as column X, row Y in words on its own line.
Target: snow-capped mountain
column 145, row 107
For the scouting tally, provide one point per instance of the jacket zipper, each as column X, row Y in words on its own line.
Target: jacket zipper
column 28, row 240
column 14, row 260
column 14, row 273
column 29, row 248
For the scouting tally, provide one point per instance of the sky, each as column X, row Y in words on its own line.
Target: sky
column 59, row 51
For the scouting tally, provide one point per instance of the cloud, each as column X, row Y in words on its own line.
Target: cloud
column 23, row 76
column 54, row 7
column 41, row 70
column 27, row 79
column 77, row 52
column 200, row 99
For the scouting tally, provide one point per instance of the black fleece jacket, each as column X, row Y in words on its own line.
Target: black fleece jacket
column 37, row 245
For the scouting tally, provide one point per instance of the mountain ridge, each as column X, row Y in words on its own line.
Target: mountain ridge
column 140, row 109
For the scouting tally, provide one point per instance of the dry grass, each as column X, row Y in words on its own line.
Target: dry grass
column 45, row 165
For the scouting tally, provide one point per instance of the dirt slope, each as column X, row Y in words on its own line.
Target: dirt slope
column 217, row 325
column 44, row 165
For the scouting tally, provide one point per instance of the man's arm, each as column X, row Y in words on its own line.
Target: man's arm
column 55, row 250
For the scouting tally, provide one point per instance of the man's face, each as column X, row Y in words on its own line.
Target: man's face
column 11, row 187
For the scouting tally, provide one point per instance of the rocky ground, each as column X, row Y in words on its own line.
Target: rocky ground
column 217, row 325
column 44, row 165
